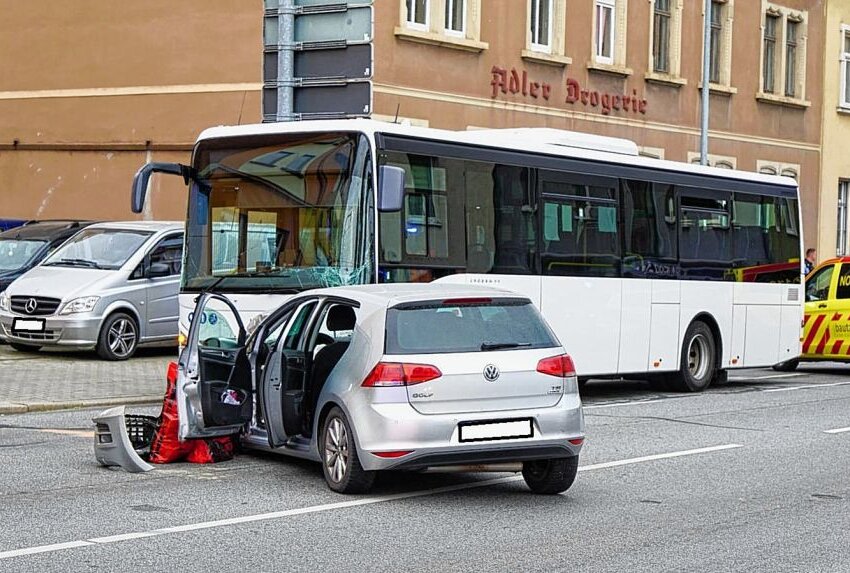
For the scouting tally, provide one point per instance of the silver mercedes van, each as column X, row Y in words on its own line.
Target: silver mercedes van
column 112, row 287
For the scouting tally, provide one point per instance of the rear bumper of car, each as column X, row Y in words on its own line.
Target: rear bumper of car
column 434, row 440
column 73, row 331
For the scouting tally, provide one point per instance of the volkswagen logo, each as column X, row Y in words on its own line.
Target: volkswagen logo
column 31, row 305
column 491, row 373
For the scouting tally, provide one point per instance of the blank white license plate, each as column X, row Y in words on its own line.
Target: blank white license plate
column 481, row 431
column 27, row 325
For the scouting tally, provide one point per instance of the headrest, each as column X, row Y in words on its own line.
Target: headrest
column 341, row 317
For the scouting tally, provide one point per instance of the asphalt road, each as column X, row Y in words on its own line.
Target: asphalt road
column 743, row 477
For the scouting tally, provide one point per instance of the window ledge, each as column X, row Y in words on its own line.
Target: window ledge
column 782, row 100
column 720, row 89
column 665, row 79
column 609, row 69
column 443, row 40
column 844, row 110
column 544, row 58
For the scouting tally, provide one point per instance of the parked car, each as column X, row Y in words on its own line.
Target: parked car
column 388, row 377
column 112, row 287
column 24, row 247
column 826, row 318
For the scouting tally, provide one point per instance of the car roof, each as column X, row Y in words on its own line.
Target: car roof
column 398, row 293
column 44, row 230
column 153, row 226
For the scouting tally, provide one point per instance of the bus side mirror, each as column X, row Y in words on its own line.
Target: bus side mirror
column 391, row 190
column 143, row 176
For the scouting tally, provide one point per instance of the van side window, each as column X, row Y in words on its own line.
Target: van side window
column 817, row 287
column 170, row 252
column 843, row 288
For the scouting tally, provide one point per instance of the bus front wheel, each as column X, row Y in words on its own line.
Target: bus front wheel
column 699, row 360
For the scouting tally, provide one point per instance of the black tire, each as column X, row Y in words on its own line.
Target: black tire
column 698, row 365
column 24, row 347
column 336, row 447
column 118, row 338
column 787, row 366
column 548, row 477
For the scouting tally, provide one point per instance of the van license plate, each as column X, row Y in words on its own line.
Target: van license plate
column 28, row 325
column 496, row 430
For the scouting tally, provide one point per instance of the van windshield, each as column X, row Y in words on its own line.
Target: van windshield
column 15, row 254
column 466, row 325
column 98, row 249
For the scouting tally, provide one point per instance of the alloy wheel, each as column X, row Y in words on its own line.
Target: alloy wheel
column 336, row 449
column 121, row 337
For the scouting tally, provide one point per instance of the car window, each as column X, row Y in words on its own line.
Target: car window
column 461, row 326
column 169, row 251
column 14, row 254
column 842, row 290
column 297, row 326
column 323, row 335
column 99, row 248
column 817, row 285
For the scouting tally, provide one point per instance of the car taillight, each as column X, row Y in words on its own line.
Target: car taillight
column 561, row 366
column 400, row 374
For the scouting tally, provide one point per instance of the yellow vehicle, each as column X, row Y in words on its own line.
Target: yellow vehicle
column 826, row 321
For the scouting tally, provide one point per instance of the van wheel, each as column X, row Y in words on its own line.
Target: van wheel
column 24, row 347
column 119, row 337
column 699, row 360
column 548, row 477
column 340, row 462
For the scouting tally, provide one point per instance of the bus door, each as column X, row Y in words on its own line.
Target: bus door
column 821, row 310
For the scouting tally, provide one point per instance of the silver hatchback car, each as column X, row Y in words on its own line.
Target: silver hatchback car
column 111, row 287
column 388, row 377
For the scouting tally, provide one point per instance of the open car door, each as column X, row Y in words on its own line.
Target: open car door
column 214, row 389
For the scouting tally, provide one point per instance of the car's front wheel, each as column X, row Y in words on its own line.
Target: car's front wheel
column 118, row 338
column 340, row 461
column 24, row 347
column 550, row 476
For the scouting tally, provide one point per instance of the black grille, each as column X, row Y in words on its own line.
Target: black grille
column 43, row 306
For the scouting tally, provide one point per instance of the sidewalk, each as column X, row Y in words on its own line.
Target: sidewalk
column 55, row 381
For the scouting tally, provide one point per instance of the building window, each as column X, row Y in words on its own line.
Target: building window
column 791, row 59
column 845, row 66
column 417, row 14
column 769, row 72
column 791, row 170
column 661, row 37
column 720, row 161
column 541, row 25
column 605, row 30
column 455, row 23
column 715, row 42
column 841, row 244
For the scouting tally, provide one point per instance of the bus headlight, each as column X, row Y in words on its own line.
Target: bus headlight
column 82, row 304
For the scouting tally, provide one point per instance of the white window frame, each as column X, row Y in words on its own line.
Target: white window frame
column 841, row 235
column 844, row 67
column 452, row 5
column 598, row 6
column 534, row 26
column 410, row 19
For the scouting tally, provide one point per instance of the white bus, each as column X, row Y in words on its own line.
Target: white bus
column 644, row 268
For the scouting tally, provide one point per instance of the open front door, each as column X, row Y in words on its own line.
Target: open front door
column 283, row 384
column 214, row 390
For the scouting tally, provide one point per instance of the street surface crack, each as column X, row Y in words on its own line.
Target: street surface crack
column 678, row 421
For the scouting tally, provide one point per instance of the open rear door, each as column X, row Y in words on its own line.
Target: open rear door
column 214, row 387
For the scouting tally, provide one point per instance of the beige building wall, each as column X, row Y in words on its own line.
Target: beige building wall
column 835, row 165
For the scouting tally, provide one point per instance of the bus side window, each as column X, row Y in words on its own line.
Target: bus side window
column 649, row 229
column 705, row 245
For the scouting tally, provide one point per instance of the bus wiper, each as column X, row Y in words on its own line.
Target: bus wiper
column 75, row 263
column 502, row 345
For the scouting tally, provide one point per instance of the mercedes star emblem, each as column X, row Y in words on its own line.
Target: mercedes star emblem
column 31, row 305
column 491, row 373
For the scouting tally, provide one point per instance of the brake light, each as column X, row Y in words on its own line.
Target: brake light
column 400, row 374
column 461, row 301
column 561, row 366
column 171, row 374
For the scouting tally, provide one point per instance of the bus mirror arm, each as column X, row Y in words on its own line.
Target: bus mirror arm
column 391, row 189
column 143, row 176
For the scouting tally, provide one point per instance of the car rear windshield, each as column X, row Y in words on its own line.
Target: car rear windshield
column 476, row 325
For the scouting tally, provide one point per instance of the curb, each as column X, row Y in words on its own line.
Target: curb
column 23, row 408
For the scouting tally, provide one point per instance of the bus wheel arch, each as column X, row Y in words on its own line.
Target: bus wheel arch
column 701, row 352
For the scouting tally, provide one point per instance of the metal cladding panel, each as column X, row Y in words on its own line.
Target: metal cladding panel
column 350, row 62
column 345, row 100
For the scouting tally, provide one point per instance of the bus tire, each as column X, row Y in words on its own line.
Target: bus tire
column 698, row 365
column 787, row 366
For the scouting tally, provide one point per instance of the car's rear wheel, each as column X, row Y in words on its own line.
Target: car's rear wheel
column 119, row 337
column 340, row 461
column 550, row 476
column 24, row 347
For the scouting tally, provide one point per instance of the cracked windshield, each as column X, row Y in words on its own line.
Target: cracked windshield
column 280, row 216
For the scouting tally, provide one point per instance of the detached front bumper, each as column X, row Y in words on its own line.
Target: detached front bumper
column 74, row 331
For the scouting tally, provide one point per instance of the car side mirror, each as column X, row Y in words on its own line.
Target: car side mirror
column 158, row 270
column 391, row 189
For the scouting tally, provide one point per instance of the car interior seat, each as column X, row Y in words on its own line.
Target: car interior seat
column 339, row 318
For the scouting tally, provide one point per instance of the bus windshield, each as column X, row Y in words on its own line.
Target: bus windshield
column 279, row 214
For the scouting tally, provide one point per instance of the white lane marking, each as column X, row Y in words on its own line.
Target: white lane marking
column 330, row 506
column 837, row 431
column 768, row 377
column 806, row 387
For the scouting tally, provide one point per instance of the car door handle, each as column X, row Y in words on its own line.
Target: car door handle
column 822, row 305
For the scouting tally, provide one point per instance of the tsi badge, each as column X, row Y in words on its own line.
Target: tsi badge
column 491, row 373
